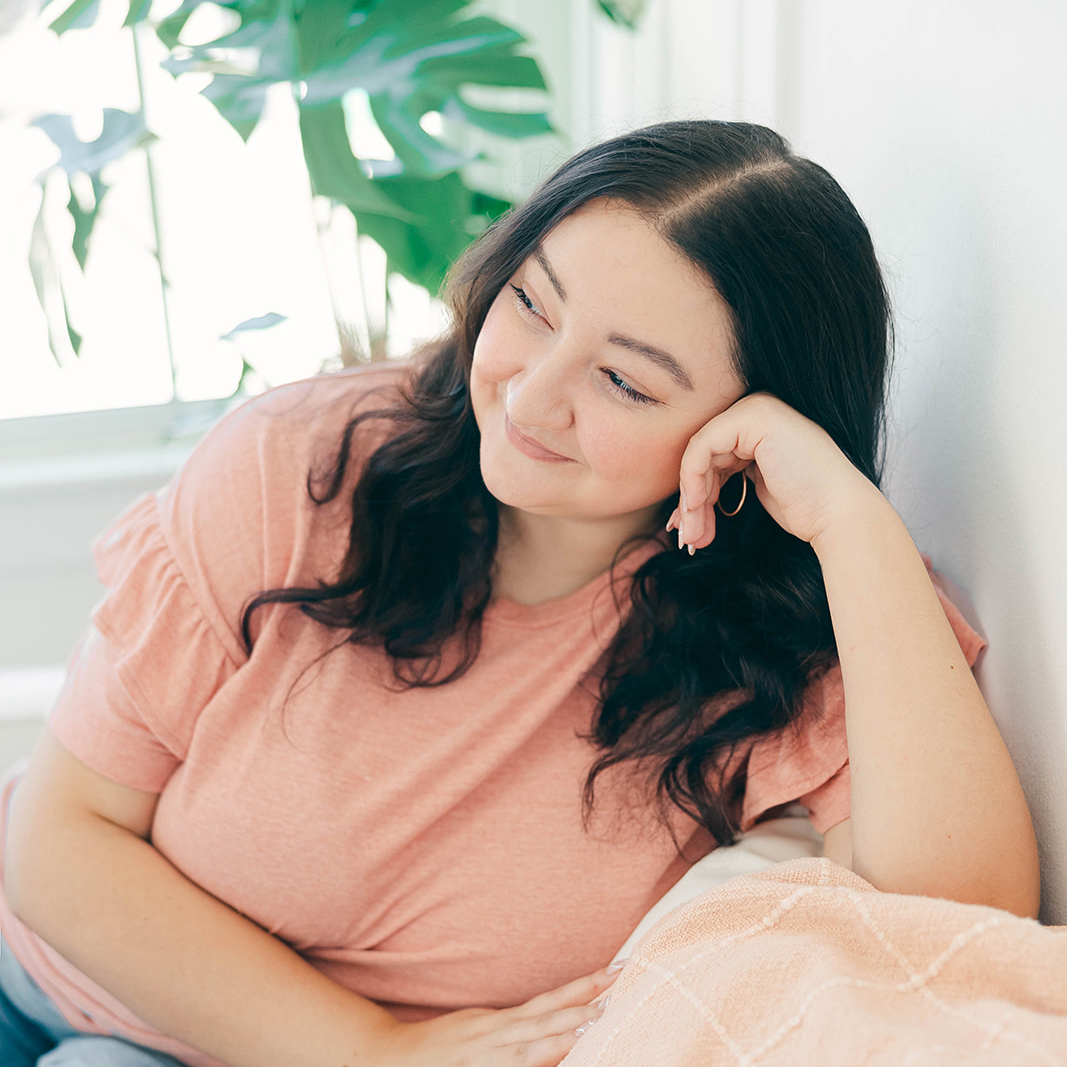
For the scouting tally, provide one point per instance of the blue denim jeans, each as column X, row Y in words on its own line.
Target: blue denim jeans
column 33, row 1032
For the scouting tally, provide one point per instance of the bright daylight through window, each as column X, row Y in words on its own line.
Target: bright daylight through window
column 242, row 242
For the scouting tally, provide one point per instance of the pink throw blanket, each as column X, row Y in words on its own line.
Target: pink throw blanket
column 805, row 964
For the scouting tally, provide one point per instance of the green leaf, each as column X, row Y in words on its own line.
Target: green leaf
column 269, row 33
column 334, row 170
column 507, row 71
column 503, row 123
column 85, row 219
column 485, row 208
column 626, row 13
column 452, row 214
column 51, row 295
column 121, row 132
column 464, row 37
column 138, row 12
column 239, row 100
column 420, row 153
column 78, row 16
column 400, row 57
column 168, row 30
column 321, row 31
column 408, row 57
column 73, row 336
column 240, row 96
column 260, row 322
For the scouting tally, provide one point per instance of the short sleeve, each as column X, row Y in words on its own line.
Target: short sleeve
column 808, row 761
column 181, row 565
column 147, row 665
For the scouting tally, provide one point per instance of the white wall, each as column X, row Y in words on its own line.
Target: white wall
column 945, row 122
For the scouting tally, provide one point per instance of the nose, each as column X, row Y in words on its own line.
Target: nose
column 539, row 396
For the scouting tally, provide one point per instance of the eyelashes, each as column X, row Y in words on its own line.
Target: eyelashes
column 523, row 301
column 626, row 389
column 526, row 306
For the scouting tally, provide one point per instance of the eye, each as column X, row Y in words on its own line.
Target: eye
column 627, row 390
column 523, row 302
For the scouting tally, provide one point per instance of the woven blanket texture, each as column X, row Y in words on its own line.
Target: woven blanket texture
column 805, row 963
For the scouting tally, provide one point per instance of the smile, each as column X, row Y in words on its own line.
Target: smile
column 531, row 448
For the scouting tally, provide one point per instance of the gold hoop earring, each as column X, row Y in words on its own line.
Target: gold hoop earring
column 740, row 503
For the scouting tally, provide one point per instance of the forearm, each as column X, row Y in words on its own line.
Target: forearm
column 179, row 958
column 937, row 808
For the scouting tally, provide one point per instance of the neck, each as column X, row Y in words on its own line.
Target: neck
column 543, row 557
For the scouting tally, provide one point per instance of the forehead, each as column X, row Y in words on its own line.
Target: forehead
column 617, row 272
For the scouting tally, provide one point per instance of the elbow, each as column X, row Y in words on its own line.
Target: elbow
column 35, row 868
column 20, row 881
column 1015, row 888
column 1012, row 881
column 15, row 890
column 1021, row 897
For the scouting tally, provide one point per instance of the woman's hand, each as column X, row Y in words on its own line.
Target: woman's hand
column 802, row 478
column 538, row 1033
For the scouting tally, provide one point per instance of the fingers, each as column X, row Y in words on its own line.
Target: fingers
column 552, row 1031
column 581, row 991
column 721, row 448
column 694, row 518
column 538, row 1033
column 542, row 1031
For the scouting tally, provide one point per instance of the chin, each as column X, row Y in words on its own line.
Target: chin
column 511, row 497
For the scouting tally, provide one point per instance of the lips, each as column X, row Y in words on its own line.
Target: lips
column 528, row 447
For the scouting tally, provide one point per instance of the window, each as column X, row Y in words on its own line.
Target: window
column 240, row 239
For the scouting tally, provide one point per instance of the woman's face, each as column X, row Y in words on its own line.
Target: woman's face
column 595, row 365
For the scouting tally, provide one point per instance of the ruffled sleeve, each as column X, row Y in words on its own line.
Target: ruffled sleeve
column 181, row 565
column 808, row 762
column 148, row 663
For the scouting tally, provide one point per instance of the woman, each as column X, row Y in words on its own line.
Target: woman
column 479, row 717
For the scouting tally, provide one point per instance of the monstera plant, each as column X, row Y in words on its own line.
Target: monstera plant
column 409, row 57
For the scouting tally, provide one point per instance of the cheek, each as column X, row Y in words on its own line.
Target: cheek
column 647, row 463
column 496, row 349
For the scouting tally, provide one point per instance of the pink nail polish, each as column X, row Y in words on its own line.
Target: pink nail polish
column 584, row 1028
column 617, row 965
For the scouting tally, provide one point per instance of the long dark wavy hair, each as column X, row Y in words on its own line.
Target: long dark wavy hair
column 716, row 648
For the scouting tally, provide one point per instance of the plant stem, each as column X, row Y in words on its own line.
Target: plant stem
column 153, row 198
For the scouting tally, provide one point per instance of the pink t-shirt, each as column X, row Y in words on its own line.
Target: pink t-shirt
column 423, row 848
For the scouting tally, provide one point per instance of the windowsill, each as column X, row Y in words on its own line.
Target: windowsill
column 28, row 692
column 92, row 448
column 63, row 479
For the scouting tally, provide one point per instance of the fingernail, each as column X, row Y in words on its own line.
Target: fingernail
column 603, row 1004
column 681, row 542
column 585, row 1028
column 692, row 550
column 614, row 968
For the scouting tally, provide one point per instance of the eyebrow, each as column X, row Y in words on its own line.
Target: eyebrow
column 655, row 355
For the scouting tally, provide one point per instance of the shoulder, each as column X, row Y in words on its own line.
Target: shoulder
column 237, row 517
column 257, row 457
column 287, row 426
